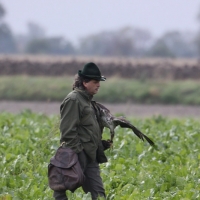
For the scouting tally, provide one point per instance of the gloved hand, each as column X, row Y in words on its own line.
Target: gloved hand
column 106, row 144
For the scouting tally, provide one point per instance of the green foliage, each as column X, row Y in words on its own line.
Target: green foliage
column 27, row 141
column 34, row 88
column 134, row 170
column 113, row 90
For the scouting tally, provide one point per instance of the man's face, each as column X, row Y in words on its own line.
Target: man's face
column 92, row 86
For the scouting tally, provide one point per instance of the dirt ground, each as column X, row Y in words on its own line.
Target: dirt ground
column 128, row 110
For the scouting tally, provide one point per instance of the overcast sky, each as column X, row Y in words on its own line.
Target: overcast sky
column 74, row 19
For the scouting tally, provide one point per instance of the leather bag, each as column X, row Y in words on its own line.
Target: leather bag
column 64, row 171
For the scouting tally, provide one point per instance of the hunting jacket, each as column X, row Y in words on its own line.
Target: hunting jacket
column 79, row 126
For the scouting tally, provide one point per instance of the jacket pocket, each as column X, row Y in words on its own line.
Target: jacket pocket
column 85, row 139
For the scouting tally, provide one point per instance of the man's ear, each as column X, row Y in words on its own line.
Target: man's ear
column 84, row 83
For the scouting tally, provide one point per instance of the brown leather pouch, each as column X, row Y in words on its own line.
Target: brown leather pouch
column 64, row 171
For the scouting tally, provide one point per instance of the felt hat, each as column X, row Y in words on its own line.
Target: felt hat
column 91, row 71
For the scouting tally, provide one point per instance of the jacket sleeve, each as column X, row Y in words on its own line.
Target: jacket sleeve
column 70, row 119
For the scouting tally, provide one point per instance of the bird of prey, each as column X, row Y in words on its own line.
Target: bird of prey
column 106, row 119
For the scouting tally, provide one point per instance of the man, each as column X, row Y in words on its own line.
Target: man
column 81, row 132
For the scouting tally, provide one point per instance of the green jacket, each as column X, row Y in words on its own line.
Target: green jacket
column 79, row 126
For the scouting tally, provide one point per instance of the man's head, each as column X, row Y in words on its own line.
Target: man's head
column 89, row 78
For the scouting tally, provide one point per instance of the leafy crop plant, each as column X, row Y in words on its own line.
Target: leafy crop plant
column 134, row 171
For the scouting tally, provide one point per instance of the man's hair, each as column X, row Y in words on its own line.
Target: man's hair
column 78, row 82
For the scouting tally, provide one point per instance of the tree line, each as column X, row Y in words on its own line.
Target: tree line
column 126, row 41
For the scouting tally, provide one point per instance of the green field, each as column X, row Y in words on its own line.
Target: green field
column 135, row 170
column 113, row 90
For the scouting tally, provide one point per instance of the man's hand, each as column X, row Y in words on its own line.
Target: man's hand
column 106, row 144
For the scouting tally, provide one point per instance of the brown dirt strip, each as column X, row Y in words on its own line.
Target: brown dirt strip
column 128, row 110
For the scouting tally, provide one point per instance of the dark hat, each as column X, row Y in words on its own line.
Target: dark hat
column 91, row 71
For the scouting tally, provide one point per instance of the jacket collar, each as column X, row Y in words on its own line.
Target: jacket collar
column 84, row 93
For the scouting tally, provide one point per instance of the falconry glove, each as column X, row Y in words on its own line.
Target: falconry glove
column 106, row 144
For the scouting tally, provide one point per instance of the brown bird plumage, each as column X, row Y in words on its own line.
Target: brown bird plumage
column 106, row 119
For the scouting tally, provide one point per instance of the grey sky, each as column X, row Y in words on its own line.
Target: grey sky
column 74, row 19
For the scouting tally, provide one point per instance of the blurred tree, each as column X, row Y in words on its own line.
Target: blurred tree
column 56, row 45
column 174, row 44
column 35, row 31
column 59, row 45
column 142, row 41
column 37, row 46
column 160, row 49
column 127, row 41
column 2, row 12
column 21, row 42
column 106, row 44
column 33, row 40
column 38, row 43
column 197, row 42
column 180, row 43
column 197, row 38
column 7, row 42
